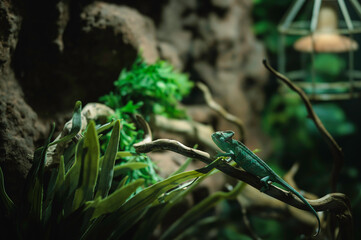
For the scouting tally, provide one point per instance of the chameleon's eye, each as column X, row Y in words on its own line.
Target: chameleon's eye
column 228, row 135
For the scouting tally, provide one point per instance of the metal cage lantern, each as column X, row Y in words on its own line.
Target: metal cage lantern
column 319, row 45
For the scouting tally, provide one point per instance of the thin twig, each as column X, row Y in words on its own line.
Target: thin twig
column 335, row 148
column 220, row 110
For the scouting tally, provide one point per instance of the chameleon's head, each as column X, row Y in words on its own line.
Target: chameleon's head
column 223, row 139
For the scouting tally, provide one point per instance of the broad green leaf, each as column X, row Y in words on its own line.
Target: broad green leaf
column 112, row 202
column 198, row 210
column 34, row 182
column 105, row 127
column 126, row 167
column 76, row 124
column 6, row 200
column 121, row 154
column 168, row 200
column 89, row 167
column 71, row 180
column 107, row 167
column 129, row 213
column 61, row 174
column 148, row 195
column 122, row 182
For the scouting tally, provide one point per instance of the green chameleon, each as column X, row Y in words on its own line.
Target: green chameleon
column 249, row 161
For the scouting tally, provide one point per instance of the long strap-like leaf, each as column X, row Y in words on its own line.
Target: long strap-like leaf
column 107, row 167
column 89, row 167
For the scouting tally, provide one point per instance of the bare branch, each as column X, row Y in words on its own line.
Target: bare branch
column 220, row 110
column 335, row 148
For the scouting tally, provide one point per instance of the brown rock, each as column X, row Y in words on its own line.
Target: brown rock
column 215, row 41
column 135, row 29
column 18, row 126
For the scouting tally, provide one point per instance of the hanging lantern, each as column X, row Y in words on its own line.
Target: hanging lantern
column 318, row 47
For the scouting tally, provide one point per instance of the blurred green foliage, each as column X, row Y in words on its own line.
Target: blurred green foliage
column 330, row 65
column 267, row 14
column 294, row 136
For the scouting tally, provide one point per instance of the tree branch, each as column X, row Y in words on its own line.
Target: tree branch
column 221, row 111
column 335, row 202
column 335, row 148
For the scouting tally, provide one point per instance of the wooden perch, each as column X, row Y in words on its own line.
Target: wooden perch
column 336, row 203
column 188, row 128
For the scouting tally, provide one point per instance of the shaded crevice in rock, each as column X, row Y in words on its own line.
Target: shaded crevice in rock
column 78, row 53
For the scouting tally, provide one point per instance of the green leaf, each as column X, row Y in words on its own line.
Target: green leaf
column 61, row 174
column 126, row 167
column 114, row 200
column 105, row 127
column 195, row 212
column 129, row 213
column 89, row 167
column 121, row 154
column 6, row 200
column 107, row 167
column 150, row 194
column 34, row 183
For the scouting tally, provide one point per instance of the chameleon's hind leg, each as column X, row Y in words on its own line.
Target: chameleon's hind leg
column 265, row 180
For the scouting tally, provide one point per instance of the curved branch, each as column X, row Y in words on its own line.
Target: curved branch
column 220, row 110
column 335, row 148
column 328, row 202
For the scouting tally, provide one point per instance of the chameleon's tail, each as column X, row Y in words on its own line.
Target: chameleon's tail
column 287, row 186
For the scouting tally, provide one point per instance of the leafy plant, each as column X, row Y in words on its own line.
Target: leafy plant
column 82, row 199
column 146, row 90
column 149, row 89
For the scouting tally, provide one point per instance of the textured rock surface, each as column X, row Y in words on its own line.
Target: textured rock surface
column 135, row 29
column 18, row 122
column 78, row 53
column 215, row 42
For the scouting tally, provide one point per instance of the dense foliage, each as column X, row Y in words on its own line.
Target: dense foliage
column 88, row 197
column 145, row 89
column 149, row 89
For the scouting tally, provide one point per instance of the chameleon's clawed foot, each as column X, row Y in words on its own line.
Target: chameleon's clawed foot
column 265, row 187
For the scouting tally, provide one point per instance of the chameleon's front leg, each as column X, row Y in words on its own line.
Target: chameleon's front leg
column 265, row 187
column 219, row 157
column 229, row 155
